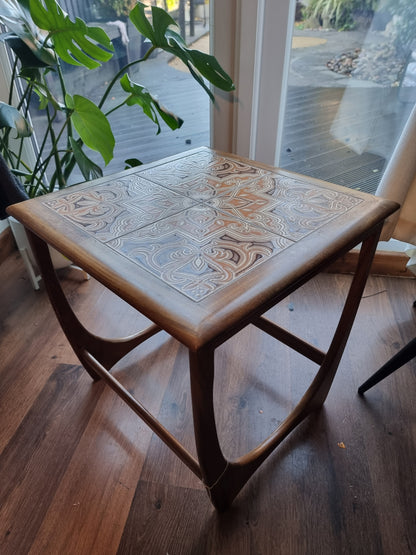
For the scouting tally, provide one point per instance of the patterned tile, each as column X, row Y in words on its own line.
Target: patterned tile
column 200, row 250
column 203, row 175
column 201, row 221
column 286, row 206
column 113, row 208
column 174, row 173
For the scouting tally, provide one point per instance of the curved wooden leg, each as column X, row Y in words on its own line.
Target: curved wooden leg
column 211, row 460
column 106, row 351
column 320, row 386
column 224, row 479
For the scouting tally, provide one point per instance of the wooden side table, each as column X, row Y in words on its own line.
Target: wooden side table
column 203, row 244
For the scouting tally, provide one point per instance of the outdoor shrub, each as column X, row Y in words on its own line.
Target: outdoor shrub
column 404, row 22
column 339, row 14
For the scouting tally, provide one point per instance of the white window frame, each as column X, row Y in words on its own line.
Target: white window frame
column 252, row 39
column 5, row 76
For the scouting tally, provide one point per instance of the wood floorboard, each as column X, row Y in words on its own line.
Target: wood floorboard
column 34, row 461
column 80, row 474
column 314, row 109
column 322, row 119
column 308, row 140
column 323, row 142
column 6, row 244
column 344, row 165
column 365, row 177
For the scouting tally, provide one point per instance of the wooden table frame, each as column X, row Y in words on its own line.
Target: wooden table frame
column 223, row 479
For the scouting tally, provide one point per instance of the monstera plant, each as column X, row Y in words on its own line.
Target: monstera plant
column 43, row 38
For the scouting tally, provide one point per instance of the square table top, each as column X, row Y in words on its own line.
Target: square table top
column 200, row 241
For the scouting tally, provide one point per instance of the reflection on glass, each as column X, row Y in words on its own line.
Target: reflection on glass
column 352, row 85
column 164, row 77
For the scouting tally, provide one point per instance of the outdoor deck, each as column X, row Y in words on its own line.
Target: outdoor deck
column 337, row 132
column 326, row 131
column 330, row 139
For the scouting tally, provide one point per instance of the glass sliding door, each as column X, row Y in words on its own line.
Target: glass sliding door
column 351, row 87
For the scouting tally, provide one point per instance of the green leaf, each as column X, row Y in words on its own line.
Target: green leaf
column 92, row 126
column 11, row 117
column 46, row 97
column 21, row 173
column 209, row 67
column 74, row 41
column 138, row 18
column 161, row 22
column 89, row 169
column 16, row 17
column 24, row 4
column 156, row 29
column 26, row 55
column 162, row 34
column 132, row 163
column 151, row 107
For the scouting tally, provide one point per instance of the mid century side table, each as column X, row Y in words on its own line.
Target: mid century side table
column 203, row 244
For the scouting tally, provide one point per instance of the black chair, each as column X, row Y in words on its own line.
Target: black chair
column 397, row 361
column 11, row 190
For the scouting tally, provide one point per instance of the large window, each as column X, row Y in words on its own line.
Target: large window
column 171, row 82
column 292, row 109
column 351, row 87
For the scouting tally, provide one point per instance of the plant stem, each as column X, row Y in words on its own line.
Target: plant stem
column 12, row 80
column 121, row 72
column 115, row 108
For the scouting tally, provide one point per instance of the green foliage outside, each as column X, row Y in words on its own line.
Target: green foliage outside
column 342, row 15
column 120, row 9
column 339, row 13
column 111, row 9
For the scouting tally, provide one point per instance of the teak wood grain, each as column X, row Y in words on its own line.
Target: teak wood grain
column 204, row 244
column 230, row 307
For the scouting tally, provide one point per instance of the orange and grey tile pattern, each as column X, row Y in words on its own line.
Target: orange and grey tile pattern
column 201, row 221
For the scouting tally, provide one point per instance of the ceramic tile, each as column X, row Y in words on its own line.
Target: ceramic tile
column 209, row 221
column 203, row 175
column 200, row 250
column 113, row 208
column 286, row 206
column 174, row 173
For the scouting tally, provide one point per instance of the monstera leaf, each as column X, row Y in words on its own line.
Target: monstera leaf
column 27, row 56
column 91, row 125
column 161, row 32
column 141, row 96
column 88, row 168
column 74, row 41
column 16, row 17
column 11, row 117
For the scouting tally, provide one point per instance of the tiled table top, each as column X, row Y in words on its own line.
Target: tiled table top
column 202, row 220
column 203, row 244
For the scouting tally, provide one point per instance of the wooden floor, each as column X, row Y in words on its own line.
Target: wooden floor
column 80, row 474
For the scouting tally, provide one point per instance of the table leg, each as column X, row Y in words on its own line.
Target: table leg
column 106, row 351
column 224, row 479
